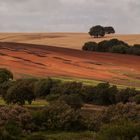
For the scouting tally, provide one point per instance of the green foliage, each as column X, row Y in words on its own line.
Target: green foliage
column 97, row 31
column 90, row 46
column 129, row 111
column 136, row 99
column 109, row 30
column 13, row 129
column 5, row 75
column 14, row 115
column 73, row 100
column 124, row 130
column 124, row 95
column 43, row 87
column 113, row 45
column 105, row 94
column 67, row 88
column 120, row 49
column 19, row 94
column 58, row 116
column 4, row 87
column 102, row 94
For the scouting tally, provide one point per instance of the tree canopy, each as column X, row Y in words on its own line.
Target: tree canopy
column 100, row 31
column 5, row 75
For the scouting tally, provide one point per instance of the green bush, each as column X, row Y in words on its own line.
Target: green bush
column 19, row 94
column 68, row 88
column 14, row 118
column 73, row 100
column 5, row 75
column 136, row 99
column 104, row 94
column 90, row 46
column 4, row 87
column 87, row 93
column 59, row 116
column 125, row 95
column 113, row 45
column 129, row 111
column 124, row 130
column 120, row 49
column 43, row 87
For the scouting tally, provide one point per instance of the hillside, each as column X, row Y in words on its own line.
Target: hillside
column 42, row 60
column 67, row 40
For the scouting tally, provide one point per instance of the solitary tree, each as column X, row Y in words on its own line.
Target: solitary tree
column 97, row 31
column 19, row 94
column 109, row 30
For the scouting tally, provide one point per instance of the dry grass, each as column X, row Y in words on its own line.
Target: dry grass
column 67, row 40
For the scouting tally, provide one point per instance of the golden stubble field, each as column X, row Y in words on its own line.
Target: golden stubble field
column 67, row 40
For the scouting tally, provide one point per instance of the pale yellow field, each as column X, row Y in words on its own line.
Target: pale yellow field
column 67, row 40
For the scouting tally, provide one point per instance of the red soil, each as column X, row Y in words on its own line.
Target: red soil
column 42, row 60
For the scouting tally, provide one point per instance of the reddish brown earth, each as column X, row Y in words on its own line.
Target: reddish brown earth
column 43, row 60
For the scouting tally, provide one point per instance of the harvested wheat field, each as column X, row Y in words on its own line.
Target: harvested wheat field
column 67, row 40
column 43, row 60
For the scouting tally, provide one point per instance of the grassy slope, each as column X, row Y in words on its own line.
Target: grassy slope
column 89, row 82
column 68, row 135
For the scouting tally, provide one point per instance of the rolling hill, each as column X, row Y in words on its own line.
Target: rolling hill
column 44, row 60
column 67, row 40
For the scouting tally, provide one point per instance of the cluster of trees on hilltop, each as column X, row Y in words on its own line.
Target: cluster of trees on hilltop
column 100, row 31
column 113, row 45
column 64, row 113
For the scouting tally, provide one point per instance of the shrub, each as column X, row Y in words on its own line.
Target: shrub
column 114, row 46
column 90, row 46
column 59, row 116
column 70, row 88
column 13, row 129
column 103, row 46
column 43, row 87
column 19, row 94
column 14, row 114
column 105, row 94
column 4, row 87
column 135, row 50
column 136, row 99
column 72, row 100
column 120, row 49
column 5, row 75
column 123, row 130
column 120, row 111
column 30, row 83
column 87, row 93
column 124, row 95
